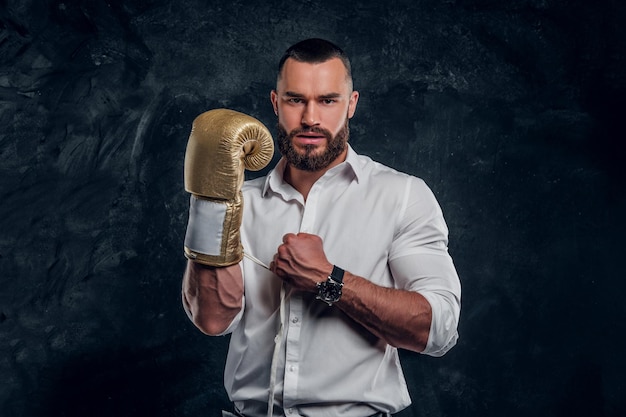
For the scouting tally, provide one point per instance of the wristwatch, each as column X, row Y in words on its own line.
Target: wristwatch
column 329, row 291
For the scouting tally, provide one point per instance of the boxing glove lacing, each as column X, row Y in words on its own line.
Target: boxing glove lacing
column 277, row 340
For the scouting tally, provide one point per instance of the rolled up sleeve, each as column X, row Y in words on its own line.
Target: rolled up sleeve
column 420, row 262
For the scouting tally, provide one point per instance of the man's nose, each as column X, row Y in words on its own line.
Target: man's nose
column 310, row 116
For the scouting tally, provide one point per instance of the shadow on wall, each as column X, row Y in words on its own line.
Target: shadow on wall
column 144, row 383
column 582, row 392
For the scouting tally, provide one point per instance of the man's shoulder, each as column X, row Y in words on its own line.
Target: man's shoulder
column 390, row 183
column 382, row 173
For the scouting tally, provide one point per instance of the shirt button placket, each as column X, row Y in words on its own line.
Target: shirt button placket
column 292, row 350
column 310, row 211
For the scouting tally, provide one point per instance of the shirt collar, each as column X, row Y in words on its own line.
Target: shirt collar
column 274, row 179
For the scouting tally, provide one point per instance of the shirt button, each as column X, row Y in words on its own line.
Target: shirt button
column 294, row 320
column 292, row 368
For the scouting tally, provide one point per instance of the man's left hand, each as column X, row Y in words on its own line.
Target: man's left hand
column 301, row 261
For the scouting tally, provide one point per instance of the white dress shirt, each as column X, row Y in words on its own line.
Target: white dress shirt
column 375, row 222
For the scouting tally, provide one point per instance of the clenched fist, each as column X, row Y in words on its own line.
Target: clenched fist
column 301, row 261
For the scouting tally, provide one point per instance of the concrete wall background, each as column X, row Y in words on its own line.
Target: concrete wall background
column 512, row 111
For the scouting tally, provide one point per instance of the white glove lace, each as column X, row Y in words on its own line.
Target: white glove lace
column 277, row 340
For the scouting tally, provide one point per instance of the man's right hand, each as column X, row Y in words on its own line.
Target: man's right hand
column 222, row 144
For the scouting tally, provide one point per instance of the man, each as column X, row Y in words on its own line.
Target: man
column 357, row 254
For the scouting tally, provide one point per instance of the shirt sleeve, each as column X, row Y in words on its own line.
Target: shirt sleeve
column 419, row 261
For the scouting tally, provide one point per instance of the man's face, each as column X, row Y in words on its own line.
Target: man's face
column 313, row 103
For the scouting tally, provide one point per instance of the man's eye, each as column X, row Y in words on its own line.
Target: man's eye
column 295, row 100
column 329, row 101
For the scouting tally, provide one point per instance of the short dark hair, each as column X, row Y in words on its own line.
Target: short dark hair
column 314, row 51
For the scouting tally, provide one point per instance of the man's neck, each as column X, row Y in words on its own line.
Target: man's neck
column 302, row 180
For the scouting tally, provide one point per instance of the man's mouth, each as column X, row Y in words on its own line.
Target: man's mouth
column 310, row 137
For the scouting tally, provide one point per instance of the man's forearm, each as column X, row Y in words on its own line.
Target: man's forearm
column 212, row 296
column 401, row 318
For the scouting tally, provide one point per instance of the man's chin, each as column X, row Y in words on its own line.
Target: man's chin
column 308, row 150
column 317, row 149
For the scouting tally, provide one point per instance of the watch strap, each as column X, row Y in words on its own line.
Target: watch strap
column 337, row 274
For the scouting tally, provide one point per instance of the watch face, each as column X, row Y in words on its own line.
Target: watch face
column 329, row 292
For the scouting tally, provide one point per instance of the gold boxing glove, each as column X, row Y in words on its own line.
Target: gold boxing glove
column 222, row 144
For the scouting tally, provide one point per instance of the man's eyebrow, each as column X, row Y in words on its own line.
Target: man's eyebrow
column 292, row 94
column 330, row 95
column 323, row 96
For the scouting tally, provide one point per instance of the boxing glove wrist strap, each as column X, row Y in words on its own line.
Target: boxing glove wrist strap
column 206, row 240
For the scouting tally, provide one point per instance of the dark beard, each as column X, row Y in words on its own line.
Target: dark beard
column 309, row 161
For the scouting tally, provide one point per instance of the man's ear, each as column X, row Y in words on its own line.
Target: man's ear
column 274, row 99
column 354, row 98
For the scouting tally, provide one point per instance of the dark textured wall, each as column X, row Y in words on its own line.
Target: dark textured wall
column 512, row 111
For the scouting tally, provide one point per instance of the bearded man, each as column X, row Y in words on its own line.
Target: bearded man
column 346, row 260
